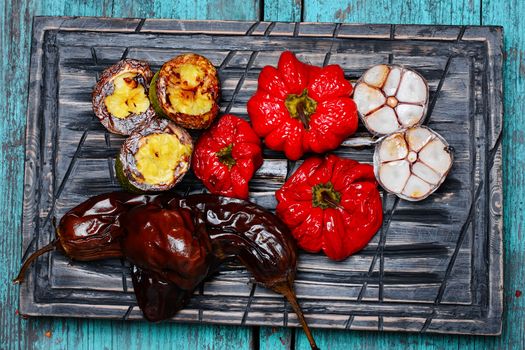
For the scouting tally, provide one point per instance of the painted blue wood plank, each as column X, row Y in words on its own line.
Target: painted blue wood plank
column 282, row 10
column 73, row 334
column 14, row 48
column 46, row 333
column 285, row 11
column 393, row 11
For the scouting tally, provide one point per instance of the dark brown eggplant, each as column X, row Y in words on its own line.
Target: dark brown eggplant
column 89, row 231
column 175, row 243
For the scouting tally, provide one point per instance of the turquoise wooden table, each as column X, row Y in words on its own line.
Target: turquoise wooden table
column 53, row 333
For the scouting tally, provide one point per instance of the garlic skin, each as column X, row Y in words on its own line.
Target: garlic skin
column 390, row 98
column 412, row 163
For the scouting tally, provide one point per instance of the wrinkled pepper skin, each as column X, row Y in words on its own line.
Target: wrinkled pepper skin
column 174, row 243
column 234, row 225
column 157, row 299
column 331, row 204
column 299, row 108
column 90, row 231
column 169, row 241
column 226, row 157
column 258, row 239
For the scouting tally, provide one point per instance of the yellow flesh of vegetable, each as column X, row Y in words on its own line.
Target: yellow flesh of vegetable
column 185, row 95
column 128, row 97
column 158, row 156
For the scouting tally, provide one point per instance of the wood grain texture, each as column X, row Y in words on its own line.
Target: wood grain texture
column 509, row 14
column 16, row 333
column 429, row 275
column 73, row 334
column 397, row 11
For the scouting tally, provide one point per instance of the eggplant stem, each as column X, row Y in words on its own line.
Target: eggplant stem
column 287, row 290
column 45, row 249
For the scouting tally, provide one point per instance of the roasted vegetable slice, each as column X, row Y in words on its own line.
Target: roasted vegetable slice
column 186, row 90
column 413, row 163
column 120, row 98
column 154, row 158
column 390, row 98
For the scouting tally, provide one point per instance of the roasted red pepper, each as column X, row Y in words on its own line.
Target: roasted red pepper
column 300, row 108
column 226, row 157
column 331, row 204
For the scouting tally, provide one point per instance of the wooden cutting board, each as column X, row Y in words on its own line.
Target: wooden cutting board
column 435, row 266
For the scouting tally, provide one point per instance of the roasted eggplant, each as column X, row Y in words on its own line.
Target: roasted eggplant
column 120, row 97
column 154, row 158
column 186, row 90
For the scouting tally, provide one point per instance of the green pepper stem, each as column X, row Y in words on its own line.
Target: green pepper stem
column 301, row 115
column 325, row 196
column 301, row 107
column 225, row 156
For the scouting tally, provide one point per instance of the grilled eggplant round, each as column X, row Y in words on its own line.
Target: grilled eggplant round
column 154, row 158
column 186, row 90
column 120, row 98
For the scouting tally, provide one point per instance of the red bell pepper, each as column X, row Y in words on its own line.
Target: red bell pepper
column 300, row 108
column 226, row 157
column 331, row 204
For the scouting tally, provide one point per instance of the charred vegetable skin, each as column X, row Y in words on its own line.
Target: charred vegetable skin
column 300, row 108
column 90, row 231
column 331, row 204
column 186, row 90
column 209, row 230
column 226, row 157
column 154, row 158
column 120, row 98
column 258, row 239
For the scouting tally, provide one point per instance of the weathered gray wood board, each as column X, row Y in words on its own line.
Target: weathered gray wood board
column 435, row 266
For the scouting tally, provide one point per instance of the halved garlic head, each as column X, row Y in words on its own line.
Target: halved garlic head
column 390, row 98
column 412, row 163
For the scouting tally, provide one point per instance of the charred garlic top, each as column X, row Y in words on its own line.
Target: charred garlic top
column 390, row 98
column 412, row 163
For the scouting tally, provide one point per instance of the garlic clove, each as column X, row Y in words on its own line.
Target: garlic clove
column 394, row 147
column 418, row 137
column 412, row 163
column 394, row 175
column 425, row 173
column 376, row 75
column 368, row 98
column 409, row 115
column 412, row 89
column 392, row 82
column 383, row 121
column 437, row 156
column 416, row 188
column 393, row 86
